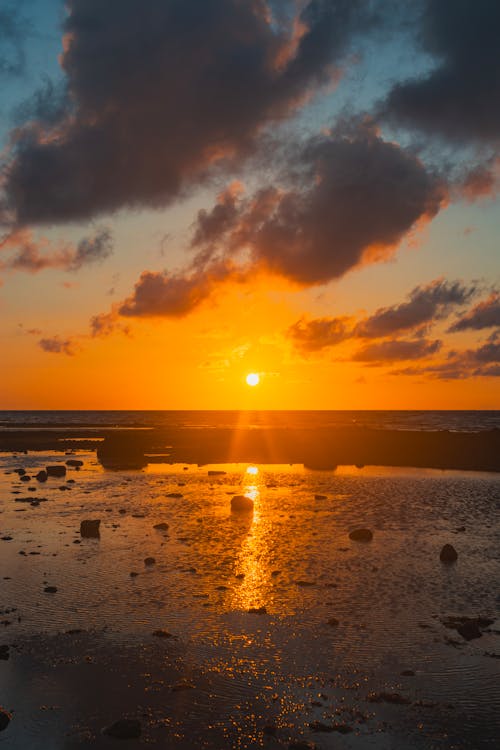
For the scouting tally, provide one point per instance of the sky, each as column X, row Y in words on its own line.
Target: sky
column 303, row 189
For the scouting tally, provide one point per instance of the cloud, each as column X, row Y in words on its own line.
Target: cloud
column 486, row 314
column 425, row 305
column 159, row 294
column 460, row 98
column 393, row 350
column 351, row 199
column 31, row 255
column 157, row 92
column 57, row 345
column 12, row 34
column 484, row 361
column 313, row 335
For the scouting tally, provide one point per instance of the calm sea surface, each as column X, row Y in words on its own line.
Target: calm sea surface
column 465, row 421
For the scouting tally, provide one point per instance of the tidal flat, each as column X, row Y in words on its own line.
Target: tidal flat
column 247, row 630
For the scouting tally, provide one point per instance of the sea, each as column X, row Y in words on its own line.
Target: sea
column 453, row 420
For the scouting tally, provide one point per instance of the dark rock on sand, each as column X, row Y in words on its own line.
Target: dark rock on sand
column 160, row 633
column 215, row 473
column 395, row 698
column 242, row 504
column 320, row 497
column 56, row 471
column 50, row 589
column 149, row 561
column 176, row 495
column 4, row 652
column 124, row 729
column 468, row 627
column 41, row 476
column 90, row 528
column 361, row 535
column 257, row 611
column 21, row 472
column 25, row 478
column 74, row 462
column 319, row 726
column 448, row 554
column 333, row 622
column 5, row 718
column 407, row 673
column 161, row 526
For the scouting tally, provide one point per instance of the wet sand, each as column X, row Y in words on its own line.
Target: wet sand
column 271, row 628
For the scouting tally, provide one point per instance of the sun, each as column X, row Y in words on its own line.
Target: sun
column 253, row 378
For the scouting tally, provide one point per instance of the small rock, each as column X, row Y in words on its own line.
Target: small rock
column 150, row 561
column 50, row 589
column 41, row 476
column 133, row 574
column 407, row 673
column 20, row 472
column 90, row 528
column 25, row 478
column 124, row 729
column 162, row 634
column 333, row 622
column 361, row 535
column 161, row 526
column 175, row 494
column 74, row 462
column 4, row 652
column 257, row 611
column 448, row 554
column 241, row 504
column 56, row 471
column 320, row 497
column 215, row 473
column 5, row 718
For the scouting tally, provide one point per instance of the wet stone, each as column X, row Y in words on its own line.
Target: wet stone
column 448, row 554
column 361, row 535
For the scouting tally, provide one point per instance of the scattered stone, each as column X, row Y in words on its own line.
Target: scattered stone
column 257, row 611
column 124, row 729
column 133, row 574
column 320, row 497
column 333, row 622
column 149, row 561
column 5, row 718
column 161, row 526
column 407, row 673
column 25, row 478
column 50, row 589
column 90, row 528
column 468, row 627
column 395, row 698
column 41, row 476
column 20, row 472
column 162, row 634
column 7, row 538
column 74, row 462
column 215, row 473
column 361, row 535
column 241, row 504
column 448, row 554
column 56, row 471
column 175, row 494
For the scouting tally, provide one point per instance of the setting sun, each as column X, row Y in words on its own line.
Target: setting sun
column 253, row 379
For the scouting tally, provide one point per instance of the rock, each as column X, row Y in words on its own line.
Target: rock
column 74, row 462
column 361, row 535
column 149, row 561
column 407, row 673
column 56, row 471
column 161, row 526
column 215, row 473
column 468, row 627
column 176, row 495
column 124, row 729
column 41, row 476
column 162, row 633
column 50, row 589
column 133, row 574
column 4, row 652
column 5, row 718
column 333, row 622
column 241, row 504
column 257, row 611
column 25, row 478
column 448, row 554
column 21, row 472
column 395, row 698
column 90, row 528
column 320, row 497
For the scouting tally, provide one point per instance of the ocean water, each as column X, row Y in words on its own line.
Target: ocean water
column 462, row 421
column 336, row 625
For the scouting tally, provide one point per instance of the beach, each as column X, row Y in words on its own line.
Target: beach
column 197, row 626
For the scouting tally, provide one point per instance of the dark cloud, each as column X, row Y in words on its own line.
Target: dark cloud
column 32, row 254
column 486, row 314
column 159, row 91
column 57, row 345
column 393, row 350
column 159, row 294
column 484, row 361
column 313, row 335
column 460, row 98
column 425, row 305
column 13, row 28
column 354, row 200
